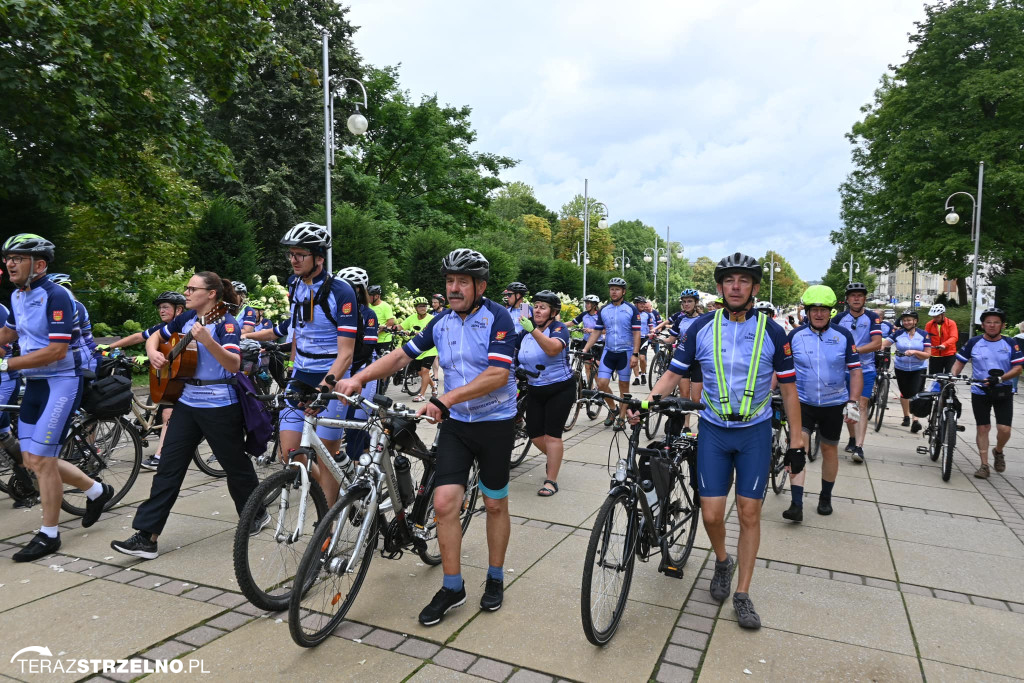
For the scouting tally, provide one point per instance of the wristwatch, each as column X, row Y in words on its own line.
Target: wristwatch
column 636, row 353
column 3, row 365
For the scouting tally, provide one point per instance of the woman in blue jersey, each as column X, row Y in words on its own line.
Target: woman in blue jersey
column 208, row 409
column 543, row 350
column 912, row 354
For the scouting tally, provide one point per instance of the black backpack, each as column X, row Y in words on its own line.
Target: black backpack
column 362, row 353
column 108, row 397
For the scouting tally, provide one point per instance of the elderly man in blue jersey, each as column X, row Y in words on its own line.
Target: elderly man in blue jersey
column 822, row 355
column 324, row 323
column 863, row 324
column 691, row 381
column 619, row 320
column 996, row 359
column 740, row 350
column 475, row 342
column 44, row 321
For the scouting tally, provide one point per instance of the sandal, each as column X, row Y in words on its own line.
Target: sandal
column 418, row 398
column 545, row 492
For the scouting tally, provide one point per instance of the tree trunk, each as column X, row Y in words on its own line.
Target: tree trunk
column 962, row 298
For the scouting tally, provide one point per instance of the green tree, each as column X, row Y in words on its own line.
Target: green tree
column 838, row 274
column 93, row 93
column 537, row 226
column 350, row 226
column 704, row 274
column 787, row 287
column 570, row 233
column 423, row 254
column 224, row 242
column 516, row 199
column 955, row 100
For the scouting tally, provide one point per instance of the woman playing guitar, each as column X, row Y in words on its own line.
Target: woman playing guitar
column 208, row 408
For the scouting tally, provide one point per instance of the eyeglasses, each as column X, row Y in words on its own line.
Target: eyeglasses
column 16, row 260
column 293, row 256
column 189, row 290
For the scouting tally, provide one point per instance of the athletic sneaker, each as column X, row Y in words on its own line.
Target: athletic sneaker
column 94, row 508
column 41, row 545
column 636, row 381
column 138, row 545
column 643, row 379
column 858, row 454
column 851, row 444
column 445, row 600
column 795, row 513
column 151, row 463
column 982, row 472
column 1000, row 461
column 722, row 580
column 610, row 420
column 824, row 506
column 745, row 613
column 259, row 524
column 494, row 591
column 906, row 421
column 915, row 428
column 620, row 425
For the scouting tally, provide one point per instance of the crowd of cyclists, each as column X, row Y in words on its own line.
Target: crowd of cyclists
column 467, row 352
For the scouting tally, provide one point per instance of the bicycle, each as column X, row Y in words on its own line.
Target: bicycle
column 662, row 358
column 337, row 558
column 780, row 442
column 630, row 525
column 942, row 427
column 879, row 396
column 521, row 441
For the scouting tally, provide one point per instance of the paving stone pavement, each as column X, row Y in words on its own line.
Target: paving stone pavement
column 910, row 578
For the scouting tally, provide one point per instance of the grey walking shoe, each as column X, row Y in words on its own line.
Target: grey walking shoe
column 745, row 613
column 721, row 582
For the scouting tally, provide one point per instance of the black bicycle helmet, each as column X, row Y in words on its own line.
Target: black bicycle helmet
column 466, row 262
column 617, row 282
column 856, row 287
column 373, row 289
column 639, row 299
column 517, row 288
column 993, row 311
column 438, row 297
column 909, row 313
column 308, row 236
column 548, row 297
column 31, row 245
column 738, row 263
column 173, row 298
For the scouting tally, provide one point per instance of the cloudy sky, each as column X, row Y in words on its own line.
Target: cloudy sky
column 722, row 120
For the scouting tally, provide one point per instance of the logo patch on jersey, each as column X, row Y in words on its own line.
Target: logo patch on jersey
column 346, row 309
column 371, row 322
column 558, row 329
column 500, row 335
column 58, row 316
column 229, row 328
column 787, row 349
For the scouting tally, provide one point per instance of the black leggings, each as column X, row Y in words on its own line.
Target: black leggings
column 940, row 364
column 548, row 406
column 909, row 382
column 222, row 429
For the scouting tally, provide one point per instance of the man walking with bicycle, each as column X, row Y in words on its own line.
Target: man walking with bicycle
column 475, row 342
column 996, row 359
column 740, row 351
column 862, row 323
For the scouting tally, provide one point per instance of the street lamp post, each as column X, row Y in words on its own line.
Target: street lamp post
column 854, row 268
column 601, row 223
column 655, row 254
column 622, row 262
column 582, row 258
column 952, row 218
column 356, row 123
column 668, row 262
column 771, row 267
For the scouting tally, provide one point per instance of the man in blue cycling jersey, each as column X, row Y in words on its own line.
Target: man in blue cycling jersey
column 44, row 321
column 863, row 324
column 740, row 351
column 648, row 321
column 996, row 359
column 619, row 320
column 691, row 381
column 515, row 300
column 475, row 342
column 822, row 354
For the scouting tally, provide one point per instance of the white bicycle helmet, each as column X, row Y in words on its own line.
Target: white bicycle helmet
column 308, row 236
column 354, row 276
column 765, row 306
column 592, row 298
column 936, row 309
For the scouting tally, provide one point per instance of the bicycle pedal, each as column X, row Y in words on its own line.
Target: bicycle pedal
column 961, row 428
column 395, row 555
column 672, row 572
column 923, row 450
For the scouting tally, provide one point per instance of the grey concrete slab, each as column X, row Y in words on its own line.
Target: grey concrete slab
column 929, row 498
column 432, row 673
column 854, row 518
column 837, row 550
column 25, row 582
column 921, row 476
column 216, row 569
column 959, row 570
column 526, row 545
column 572, row 476
column 948, row 673
column 565, row 507
column 961, row 534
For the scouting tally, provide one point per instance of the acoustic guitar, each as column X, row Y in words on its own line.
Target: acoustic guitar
column 182, row 353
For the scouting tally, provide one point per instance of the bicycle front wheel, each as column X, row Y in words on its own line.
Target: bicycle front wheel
column 780, row 440
column 410, row 382
column 594, row 405
column 577, row 405
column 608, row 568
column 330, row 586
column 107, row 450
column 208, row 463
column 266, row 562
column 521, row 440
column 652, row 425
column 681, row 513
column 948, row 446
column 881, row 401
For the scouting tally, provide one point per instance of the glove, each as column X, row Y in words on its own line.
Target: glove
column 526, row 323
column 102, row 347
column 796, row 458
column 993, row 380
column 140, row 360
column 852, row 412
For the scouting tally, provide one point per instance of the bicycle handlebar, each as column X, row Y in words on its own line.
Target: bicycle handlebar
column 659, row 404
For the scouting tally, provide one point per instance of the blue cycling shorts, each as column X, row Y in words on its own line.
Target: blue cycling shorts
column 46, row 412
column 747, row 450
column 869, row 383
column 293, row 417
column 614, row 361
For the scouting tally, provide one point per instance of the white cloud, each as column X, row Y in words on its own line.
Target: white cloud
column 724, row 120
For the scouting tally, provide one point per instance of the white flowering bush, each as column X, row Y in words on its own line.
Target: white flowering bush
column 400, row 299
column 271, row 297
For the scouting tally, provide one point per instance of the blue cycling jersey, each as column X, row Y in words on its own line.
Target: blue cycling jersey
column 523, row 309
column 42, row 314
column 648, row 321
column 886, row 327
column 85, row 347
column 680, row 323
column 822, row 361
column 619, row 322
column 316, row 335
column 8, row 349
column 904, row 341
column 530, row 355
column 587, row 321
column 738, row 339
column 249, row 317
column 986, row 354
column 864, row 329
column 146, row 334
column 465, row 348
column 226, row 333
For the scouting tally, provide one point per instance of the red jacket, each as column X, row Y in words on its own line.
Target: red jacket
column 946, row 333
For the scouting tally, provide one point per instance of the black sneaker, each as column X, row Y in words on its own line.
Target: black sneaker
column 41, row 545
column 858, row 454
column 93, row 508
column 795, row 513
column 722, row 580
column 643, row 379
column 138, row 545
column 915, row 428
column 494, row 590
column 851, row 444
column 745, row 613
column 259, row 524
column 24, row 503
column 445, row 600
column 824, row 506
column 636, row 382
column 151, row 463
column 906, row 421
column 610, row 420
